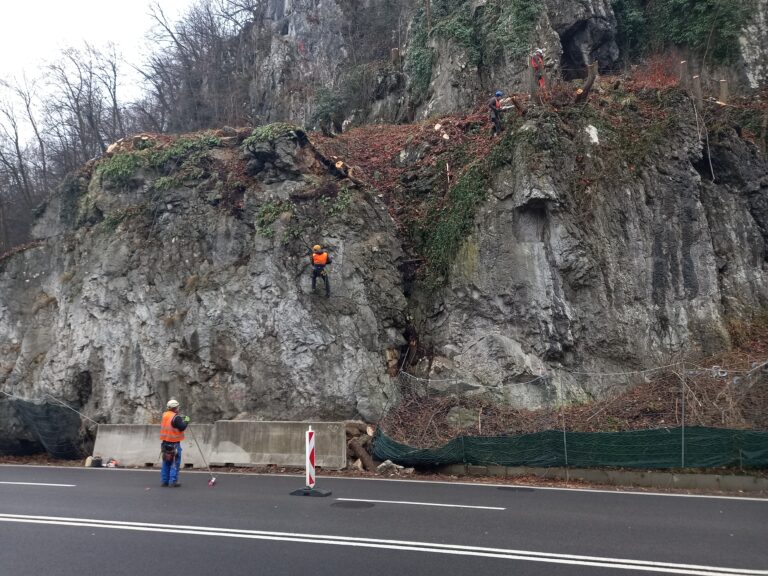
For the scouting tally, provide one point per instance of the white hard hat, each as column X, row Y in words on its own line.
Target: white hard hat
column 172, row 403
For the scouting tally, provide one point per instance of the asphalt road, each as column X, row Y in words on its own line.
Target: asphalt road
column 77, row 521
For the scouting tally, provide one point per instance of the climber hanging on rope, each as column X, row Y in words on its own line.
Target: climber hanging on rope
column 494, row 111
column 320, row 259
column 537, row 63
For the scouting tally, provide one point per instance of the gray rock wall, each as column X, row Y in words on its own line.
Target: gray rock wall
column 754, row 46
column 296, row 48
column 625, row 273
column 579, row 260
column 197, row 302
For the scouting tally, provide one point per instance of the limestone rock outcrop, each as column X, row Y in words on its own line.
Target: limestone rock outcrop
column 200, row 289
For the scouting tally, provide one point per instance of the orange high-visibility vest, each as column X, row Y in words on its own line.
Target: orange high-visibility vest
column 167, row 432
column 320, row 259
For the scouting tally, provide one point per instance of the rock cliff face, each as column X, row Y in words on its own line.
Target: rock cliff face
column 295, row 49
column 180, row 268
column 582, row 261
column 382, row 62
column 200, row 289
column 754, row 46
column 607, row 237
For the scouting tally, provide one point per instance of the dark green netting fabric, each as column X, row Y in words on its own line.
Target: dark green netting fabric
column 658, row 448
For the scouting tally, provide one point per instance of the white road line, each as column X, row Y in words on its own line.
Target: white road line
column 39, row 484
column 523, row 555
column 618, row 491
column 420, row 503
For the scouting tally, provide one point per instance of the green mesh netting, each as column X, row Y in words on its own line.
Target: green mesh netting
column 660, row 448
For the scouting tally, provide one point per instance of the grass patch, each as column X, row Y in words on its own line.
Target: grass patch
column 165, row 183
column 268, row 215
column 181, row 152
column 268, row 132
column 183, row 157
column 118, row 170
column 336, row 206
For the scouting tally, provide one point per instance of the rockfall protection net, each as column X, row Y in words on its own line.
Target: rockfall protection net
column 680, row 415
column 692, row 447
column 54, row 427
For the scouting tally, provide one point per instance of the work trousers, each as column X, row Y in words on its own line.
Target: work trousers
column 496, row 119
column 320, row 271
column 169, row 473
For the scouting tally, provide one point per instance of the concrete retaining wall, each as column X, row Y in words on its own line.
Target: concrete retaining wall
column 139, row 444
column 237, row 443
column 281, row 443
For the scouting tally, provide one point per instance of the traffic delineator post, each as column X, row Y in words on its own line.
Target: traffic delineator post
column 311, row 477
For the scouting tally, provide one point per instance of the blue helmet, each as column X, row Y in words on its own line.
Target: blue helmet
column 499, row 94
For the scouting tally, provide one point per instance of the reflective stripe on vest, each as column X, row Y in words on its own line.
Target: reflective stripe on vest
column 167, row 432
column 320, row 259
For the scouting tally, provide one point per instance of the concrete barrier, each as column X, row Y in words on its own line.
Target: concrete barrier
column 237, row 443
column 139, row 444
column 244, row 443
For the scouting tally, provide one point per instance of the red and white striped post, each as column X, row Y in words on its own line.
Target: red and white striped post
column 310, row 464
column 310, row 490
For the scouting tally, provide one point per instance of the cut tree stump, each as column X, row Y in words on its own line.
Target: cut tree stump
column 582, row 94
column 356, row 445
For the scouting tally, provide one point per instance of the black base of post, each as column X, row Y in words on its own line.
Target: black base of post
column 310, row 492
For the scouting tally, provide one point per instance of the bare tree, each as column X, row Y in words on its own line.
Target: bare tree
column 197, row 75
column 26, row 91
column 107, row 70
column 75, row 104
column 12, row 157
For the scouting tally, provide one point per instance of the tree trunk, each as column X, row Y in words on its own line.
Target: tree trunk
column 723, row 92
column 4, row 236
column 685, row 78
column 697, row 93
column 356, row 446
column 583, row 94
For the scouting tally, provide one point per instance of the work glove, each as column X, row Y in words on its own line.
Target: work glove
column 186, row 419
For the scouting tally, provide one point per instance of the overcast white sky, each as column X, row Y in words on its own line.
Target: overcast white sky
column 33, row 31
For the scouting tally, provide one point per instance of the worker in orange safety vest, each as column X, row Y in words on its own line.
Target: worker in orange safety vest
column 320, row 259
column 172, row 428
column 494, row 112
column 537, row 63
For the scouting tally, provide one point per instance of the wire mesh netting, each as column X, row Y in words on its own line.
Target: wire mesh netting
column 53, row 427
column 676, row 416
column 661, row 448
